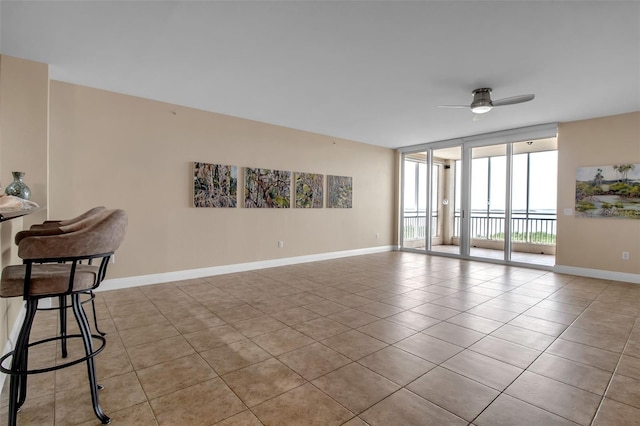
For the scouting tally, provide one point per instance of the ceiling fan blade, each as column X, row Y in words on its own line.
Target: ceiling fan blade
column 452, row 106
column 513, row 100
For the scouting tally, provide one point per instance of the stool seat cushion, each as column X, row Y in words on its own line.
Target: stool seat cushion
column 46, row 279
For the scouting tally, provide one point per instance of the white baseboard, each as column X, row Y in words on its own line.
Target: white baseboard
column 598, row 273
column 120, row 283
column 13, row 336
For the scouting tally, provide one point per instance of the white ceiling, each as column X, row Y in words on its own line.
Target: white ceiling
column 367, row 71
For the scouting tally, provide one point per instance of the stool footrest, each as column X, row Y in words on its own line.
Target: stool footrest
column 92, row 296
column 95, row 352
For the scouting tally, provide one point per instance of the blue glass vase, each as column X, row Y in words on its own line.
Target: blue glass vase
column 18, row 187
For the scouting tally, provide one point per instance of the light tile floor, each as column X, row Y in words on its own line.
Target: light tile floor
column 385, row 339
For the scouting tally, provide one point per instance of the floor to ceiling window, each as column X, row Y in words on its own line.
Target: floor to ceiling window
column 508, row 190
column 432, row 192
column 534, row 201
column 488, row 200
column 415, row 201
column 443, row 195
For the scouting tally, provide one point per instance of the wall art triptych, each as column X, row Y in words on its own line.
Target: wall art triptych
column 216, row 185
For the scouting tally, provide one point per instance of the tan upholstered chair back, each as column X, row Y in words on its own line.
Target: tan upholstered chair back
column 58, row 223
column 99, row 234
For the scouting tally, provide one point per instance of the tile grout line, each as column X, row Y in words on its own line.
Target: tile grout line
column 606, row 390
column 536, row 358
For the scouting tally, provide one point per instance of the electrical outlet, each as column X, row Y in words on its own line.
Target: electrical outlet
column 625, row 255
column 112, row 259
column 280, row 244
column 377, row 235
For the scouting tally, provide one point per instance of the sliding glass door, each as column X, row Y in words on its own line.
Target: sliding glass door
column 533, row 202
column 429, row 201
column 479, row 199
column 488, row 213
column 443, row 201
column 414, row 216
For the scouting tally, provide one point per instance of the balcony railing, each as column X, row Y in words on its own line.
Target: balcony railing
column 415, row 225
column 539, row 228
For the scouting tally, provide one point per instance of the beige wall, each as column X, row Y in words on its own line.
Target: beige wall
column 24, row 109
column 24, row 91
column 594, row 243
column 137, row 154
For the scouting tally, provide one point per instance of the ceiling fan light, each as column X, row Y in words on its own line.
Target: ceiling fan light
column 481, row 109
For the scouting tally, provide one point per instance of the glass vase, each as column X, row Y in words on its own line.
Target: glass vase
column 18, row 187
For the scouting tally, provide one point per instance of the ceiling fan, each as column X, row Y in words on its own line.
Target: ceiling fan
column 482, row 102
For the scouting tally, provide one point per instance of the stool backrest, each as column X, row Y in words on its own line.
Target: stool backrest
column 57, row 223
column 97, row 235
column 54, row 227
column 83, row 216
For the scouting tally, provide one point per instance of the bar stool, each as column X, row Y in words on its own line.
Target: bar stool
column 55, row 227
column 52, row 267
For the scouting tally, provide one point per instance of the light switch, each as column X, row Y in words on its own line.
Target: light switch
column 568, row 212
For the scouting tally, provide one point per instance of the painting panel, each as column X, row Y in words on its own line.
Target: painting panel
column 339, row 192
column 309, row 190
column 265, row 188
column 608, row 191
column 215, row 185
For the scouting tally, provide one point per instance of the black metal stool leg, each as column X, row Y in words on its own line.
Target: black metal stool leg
column 25, row 359
column 85, row 330
column 95, row 318
column 18, row 383
column 62, row 301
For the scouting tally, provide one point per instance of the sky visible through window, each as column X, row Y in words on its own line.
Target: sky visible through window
column 489, row 188
column 488, row 176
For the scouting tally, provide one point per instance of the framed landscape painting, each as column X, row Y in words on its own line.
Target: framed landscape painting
column 265, row 188
column 339, row 192
column 215, row 185
column 309, row 188
column 608, row 191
